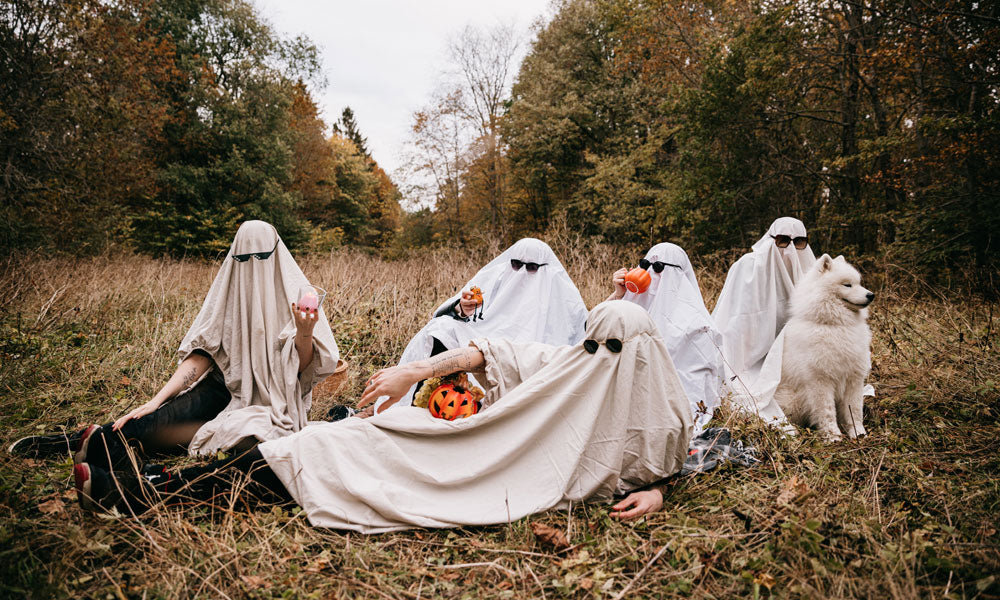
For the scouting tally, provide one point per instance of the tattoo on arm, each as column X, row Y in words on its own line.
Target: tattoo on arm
column 190, row 377
column 452, row 361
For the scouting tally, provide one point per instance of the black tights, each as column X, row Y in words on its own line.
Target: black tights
column 167, row 430
column 246, row 473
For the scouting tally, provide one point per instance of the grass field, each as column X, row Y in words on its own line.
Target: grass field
column 909, row 511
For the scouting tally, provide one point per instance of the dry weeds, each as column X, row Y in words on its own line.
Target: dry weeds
column 908, row 511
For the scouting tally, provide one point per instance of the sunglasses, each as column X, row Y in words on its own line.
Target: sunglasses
column 782, row 241
column 529, row 266
column 613, row 345
column 257, row 255
column 657, row 266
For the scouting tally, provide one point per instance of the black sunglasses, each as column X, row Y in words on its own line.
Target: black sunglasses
column 257, row 255
column 657, row 266
column 529, row 266
column 782, row 241
column 613, row 344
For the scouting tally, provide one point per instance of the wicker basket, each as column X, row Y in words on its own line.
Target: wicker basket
column 326, row 391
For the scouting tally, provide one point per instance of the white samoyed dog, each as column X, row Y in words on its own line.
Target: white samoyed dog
column 826, row 355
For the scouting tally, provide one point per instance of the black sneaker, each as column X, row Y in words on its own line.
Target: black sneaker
column 46, row 446
column 97, row 490
column 101, row 447
column 339, row 412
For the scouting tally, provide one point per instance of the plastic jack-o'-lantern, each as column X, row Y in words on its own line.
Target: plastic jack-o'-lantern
column 637, row 280
column 450, row 402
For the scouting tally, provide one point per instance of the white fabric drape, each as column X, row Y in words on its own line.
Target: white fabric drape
column 544, row 306
column 675, row 303
column 246, row 326
column 562, row 425
column 751, row 311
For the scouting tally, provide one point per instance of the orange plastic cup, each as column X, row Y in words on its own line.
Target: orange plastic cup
column 637, row 280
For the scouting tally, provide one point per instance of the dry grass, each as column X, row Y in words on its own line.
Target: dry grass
column 910, row 510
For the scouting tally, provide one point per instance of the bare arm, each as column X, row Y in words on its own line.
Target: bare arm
column 396, row 381
column 305, row 321
column 188, row 372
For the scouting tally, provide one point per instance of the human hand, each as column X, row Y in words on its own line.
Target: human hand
column 466, row 304
column 304, row 324
column 618, row 279
column 638, row 504
column 142, row 411
column 392, row 382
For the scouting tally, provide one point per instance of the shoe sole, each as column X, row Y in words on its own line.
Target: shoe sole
column 10, row 449
column 82, row 481
column 81, row 447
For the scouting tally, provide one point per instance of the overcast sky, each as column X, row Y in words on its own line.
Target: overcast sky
column 383, row 57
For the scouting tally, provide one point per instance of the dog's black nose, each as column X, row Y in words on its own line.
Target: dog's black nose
column 870, row 296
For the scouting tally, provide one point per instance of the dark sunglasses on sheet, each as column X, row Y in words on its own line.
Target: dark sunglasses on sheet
column 257, row 255
column 613, row 345
column 657, row 266
column 782, row 241
column 528, row 266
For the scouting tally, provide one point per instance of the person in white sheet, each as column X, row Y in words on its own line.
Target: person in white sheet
column 561, row 424
column 753, row 308
column 246, row 366
column 527, row 297
column 675, row 303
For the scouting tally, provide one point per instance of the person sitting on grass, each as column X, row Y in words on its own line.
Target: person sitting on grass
column 560, row 424
column 246, row 367
column 674, row 301
column 527, row 296
column 753, row 308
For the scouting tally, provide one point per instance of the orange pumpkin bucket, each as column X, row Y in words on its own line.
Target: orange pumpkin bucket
column 450, row 402
column 637, row 280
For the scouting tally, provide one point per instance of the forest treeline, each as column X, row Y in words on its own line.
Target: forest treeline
column 163, row 124
column 874, row 121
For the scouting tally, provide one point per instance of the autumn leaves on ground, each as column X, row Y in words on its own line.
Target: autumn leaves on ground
column 908, row 511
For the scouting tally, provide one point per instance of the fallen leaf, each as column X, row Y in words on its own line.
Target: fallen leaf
column 765, row 579
column 319, row 565
column 126, row 380
column 792, row 490
column 550, row 536
column 52, row 507
column 255, row 581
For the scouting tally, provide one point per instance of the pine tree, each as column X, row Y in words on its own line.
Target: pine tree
column 347, row 126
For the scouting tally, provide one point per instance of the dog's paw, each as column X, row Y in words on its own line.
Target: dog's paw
column 856, row 432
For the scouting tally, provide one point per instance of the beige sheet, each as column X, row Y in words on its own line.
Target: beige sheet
column 562, row 425
column 246, row 326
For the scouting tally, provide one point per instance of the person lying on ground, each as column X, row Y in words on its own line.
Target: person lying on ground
column 560, row 425
column 246, row 367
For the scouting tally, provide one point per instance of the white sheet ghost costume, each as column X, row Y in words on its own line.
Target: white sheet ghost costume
column 751, row 311
column 560, row 425
column 675, row 303
column 544, row 306
column 247, row 328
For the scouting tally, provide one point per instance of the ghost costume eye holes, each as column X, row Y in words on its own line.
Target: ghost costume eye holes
column 614, row 345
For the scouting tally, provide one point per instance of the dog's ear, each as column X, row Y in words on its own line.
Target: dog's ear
column 824, row 263
column 840, row 259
